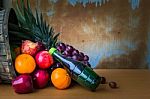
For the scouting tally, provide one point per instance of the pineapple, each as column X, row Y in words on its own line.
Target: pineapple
column 31, row 27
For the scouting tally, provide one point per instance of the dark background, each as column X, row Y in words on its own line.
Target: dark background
column 1, row 3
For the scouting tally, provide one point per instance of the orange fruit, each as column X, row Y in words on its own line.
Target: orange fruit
column 60, row 78
column 25, row 63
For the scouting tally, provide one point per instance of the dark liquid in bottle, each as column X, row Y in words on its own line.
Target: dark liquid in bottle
column 79, row 72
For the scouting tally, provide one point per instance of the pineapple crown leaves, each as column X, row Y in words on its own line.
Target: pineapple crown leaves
column 24, row 13
column 44, row 31
column 40, row 30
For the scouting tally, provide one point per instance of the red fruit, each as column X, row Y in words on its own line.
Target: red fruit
column 40, row 78
column 41, row 46
column 44, row 60
column 23, row 84
column 29, row 47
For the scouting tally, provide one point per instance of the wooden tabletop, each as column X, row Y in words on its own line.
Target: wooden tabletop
column 133, row 84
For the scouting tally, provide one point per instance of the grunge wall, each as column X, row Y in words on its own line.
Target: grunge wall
column 114, row 33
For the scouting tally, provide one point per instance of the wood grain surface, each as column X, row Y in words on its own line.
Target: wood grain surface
column 133, row 84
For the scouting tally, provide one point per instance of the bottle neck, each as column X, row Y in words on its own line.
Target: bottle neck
column 65, row 61
column 58, row 56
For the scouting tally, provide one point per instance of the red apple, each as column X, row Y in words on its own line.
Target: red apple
column 23, row 84
column 43, row 59
column 40, row 78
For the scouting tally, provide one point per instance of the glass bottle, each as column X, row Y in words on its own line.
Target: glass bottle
column 79, row 72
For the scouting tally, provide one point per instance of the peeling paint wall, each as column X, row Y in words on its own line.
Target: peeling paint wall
column 114, row 33
column 134, row 4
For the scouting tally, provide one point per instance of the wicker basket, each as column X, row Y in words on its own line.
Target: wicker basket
column 7, row 71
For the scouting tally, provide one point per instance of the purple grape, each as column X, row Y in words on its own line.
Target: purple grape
column 67, row 45
column 59, row 48
column 75, row 52
column 66, row 53
column 81, row 56
column 62, row 45
column 69, row 49
column 75, row 57
column 86, row 63
column 69, row 57
column 86, row 58
column 56, row 65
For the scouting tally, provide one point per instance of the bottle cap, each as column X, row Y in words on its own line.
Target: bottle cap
column 52, row 50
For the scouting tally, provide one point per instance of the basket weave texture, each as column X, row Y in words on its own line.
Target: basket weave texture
column 7, row 71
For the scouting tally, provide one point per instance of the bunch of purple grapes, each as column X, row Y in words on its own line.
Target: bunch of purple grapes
column 70, row 52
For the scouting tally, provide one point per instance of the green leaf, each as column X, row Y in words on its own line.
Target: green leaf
column 44, row 27
column 16, row 28
column 22, row 5
column 38, row 21
column 32, row 18
column 20, row 35
column 56, row 36
column 19, row 14
column 42, row 24
column 28, row 7
column 28, row 19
